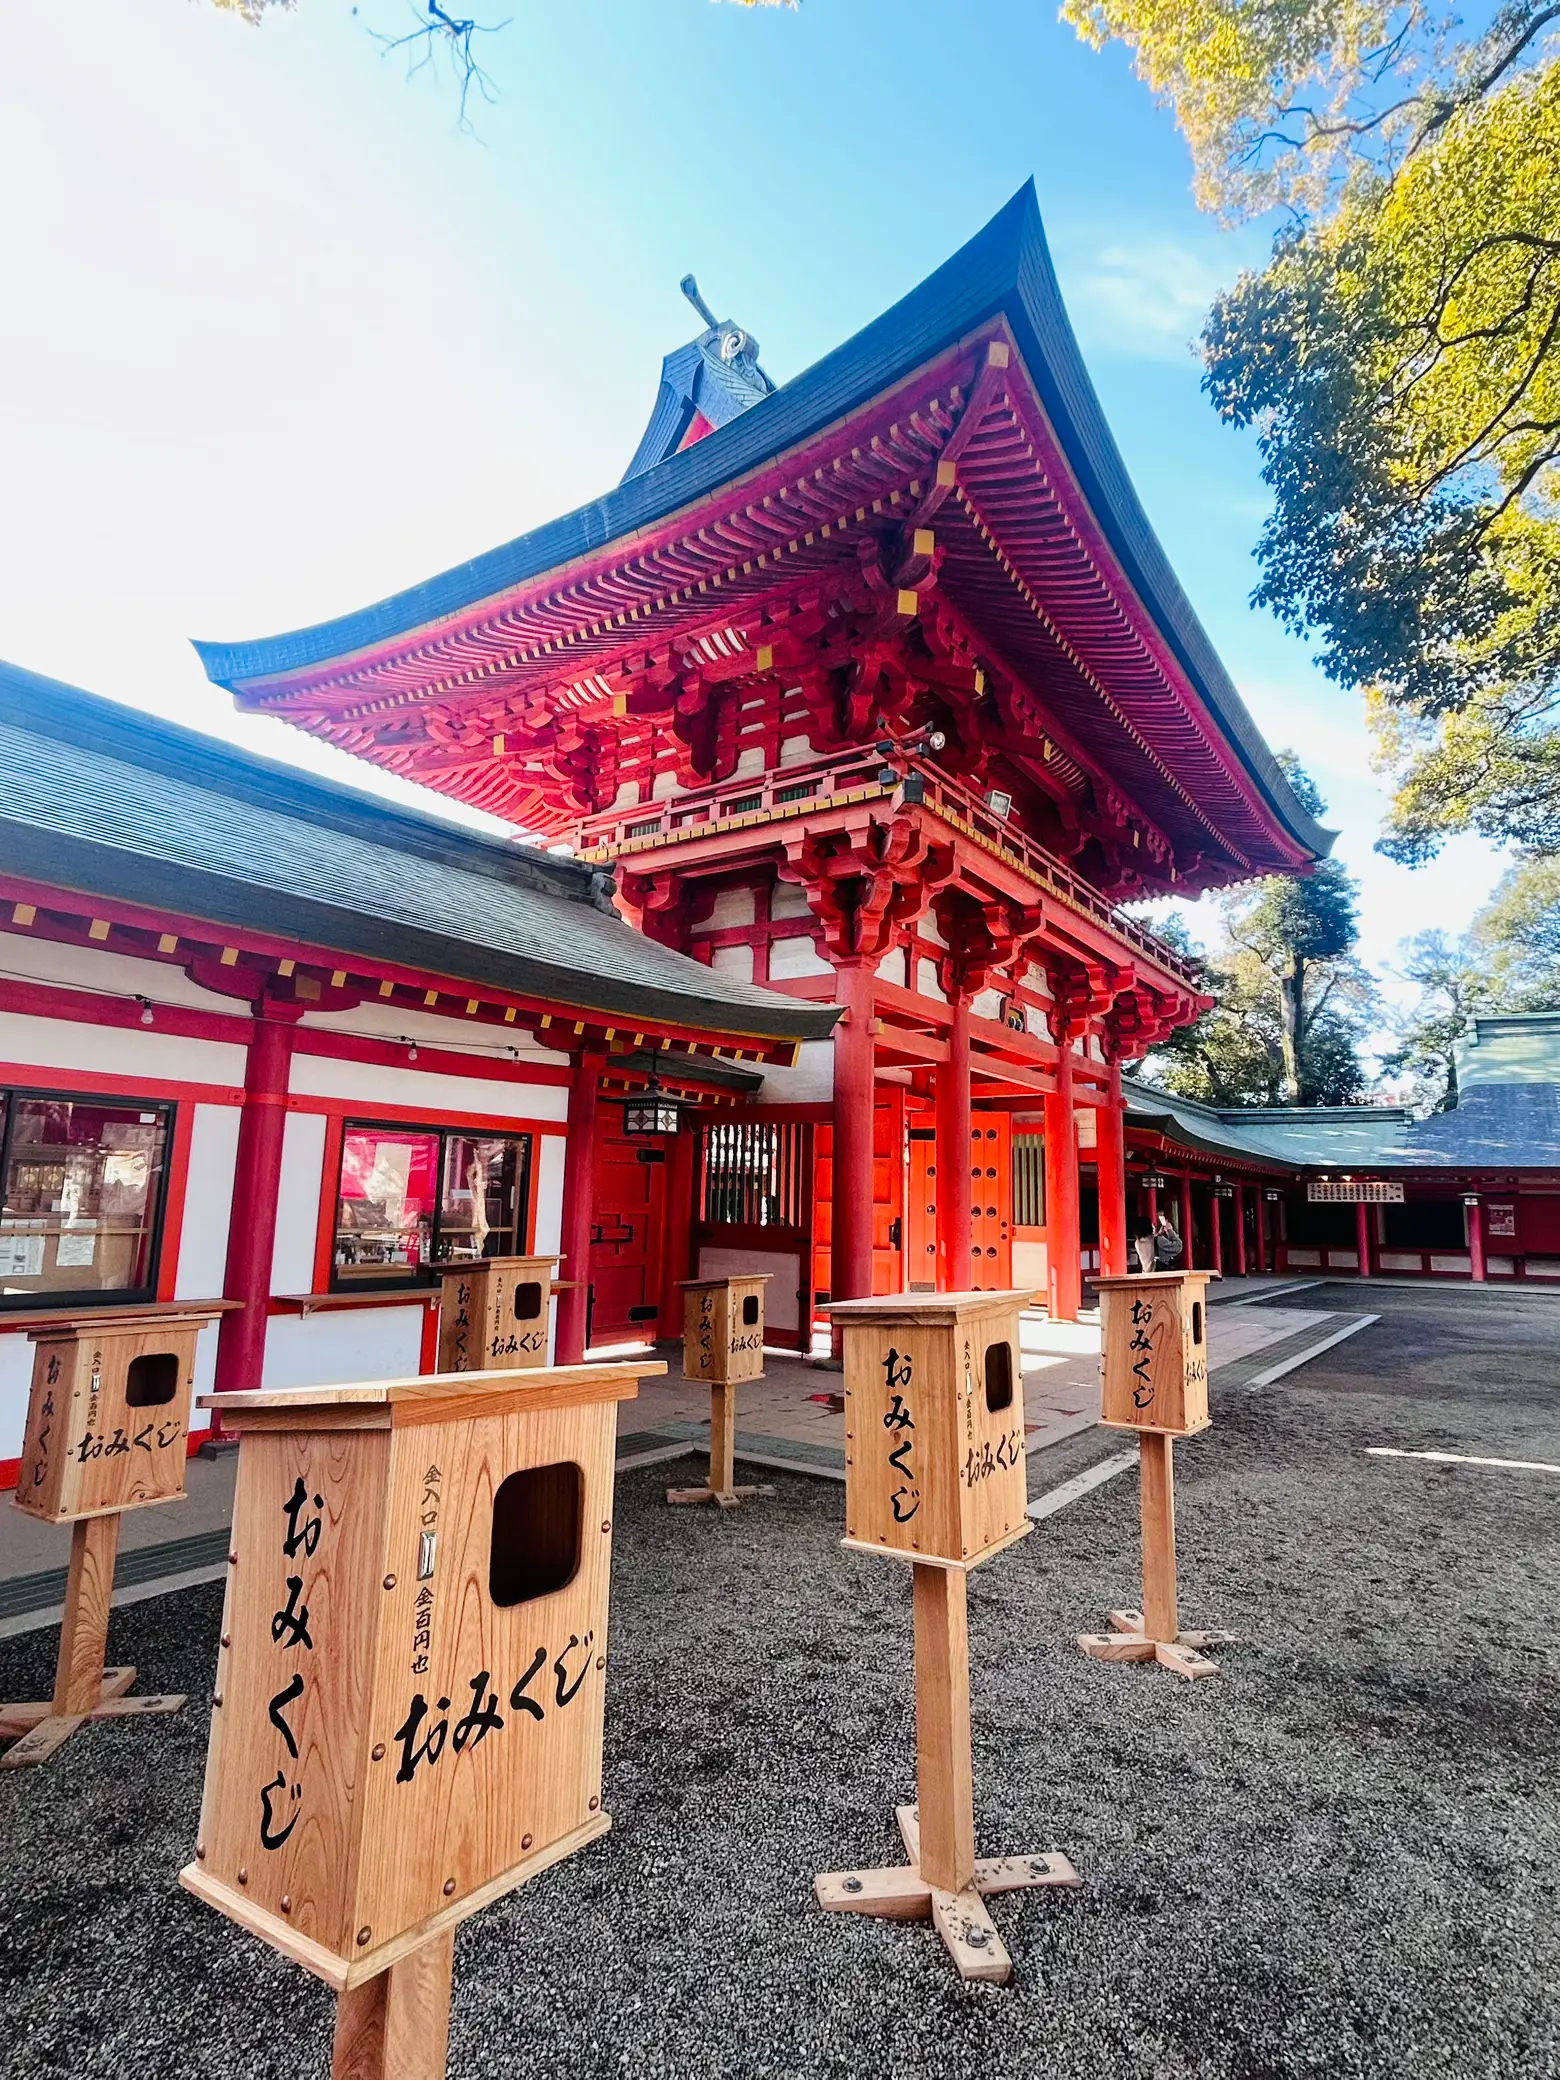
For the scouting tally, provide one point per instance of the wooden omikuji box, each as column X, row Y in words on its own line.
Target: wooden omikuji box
column 409, row 1694
column 723, row 1329
column 493, row 1312
column 934, row 1424
column 108, row 1416
column 1154, row 1351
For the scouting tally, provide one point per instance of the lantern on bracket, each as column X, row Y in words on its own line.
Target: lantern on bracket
column 651, row 1111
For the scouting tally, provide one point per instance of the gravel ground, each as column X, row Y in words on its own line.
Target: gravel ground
column 1338, row 1857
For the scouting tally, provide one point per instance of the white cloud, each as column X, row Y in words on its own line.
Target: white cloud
column 1147, row 299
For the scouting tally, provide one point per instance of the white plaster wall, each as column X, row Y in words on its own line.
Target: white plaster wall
column 790, row 957
column 321, row 1076
column 988, row 1004
column 733, row 960
column 1086, row 1120
column 750, row 760
column 893, row 967
column 208, row 1202
column 665, row 787
column 787, row 899
column 91, row 967
column 926, row 982
column 549, row 1213
column 733, row 906
column 133, row 1051
column 811, row 1082
column 354, row 1343
column 785, row 1277
column 795, row 751
column 16, row 1355
column 298, row 1204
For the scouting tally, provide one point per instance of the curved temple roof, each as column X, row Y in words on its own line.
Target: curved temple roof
column 1002, row 279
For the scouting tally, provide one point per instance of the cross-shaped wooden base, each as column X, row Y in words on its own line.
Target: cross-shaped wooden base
column 722, row 1489
column 1128, row 1640
column 83, row 1688
column 900, row 1893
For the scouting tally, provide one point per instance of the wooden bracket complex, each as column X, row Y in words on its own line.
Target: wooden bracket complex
column 722, row 1489
column 944, row 1880
column 83, row 1688
column 1154, row 1633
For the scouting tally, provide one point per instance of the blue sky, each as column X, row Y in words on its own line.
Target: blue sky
column 279, row 339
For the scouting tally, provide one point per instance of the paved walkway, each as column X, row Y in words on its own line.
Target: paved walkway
column 792, row 1419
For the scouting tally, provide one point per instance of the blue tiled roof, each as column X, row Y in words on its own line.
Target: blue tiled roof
column 1004, row 270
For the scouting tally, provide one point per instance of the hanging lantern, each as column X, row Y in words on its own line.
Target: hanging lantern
column 651, row 1111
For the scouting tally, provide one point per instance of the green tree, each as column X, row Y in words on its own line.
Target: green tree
column 1508, row 960
column 1292, row 1000
column 1399, row 359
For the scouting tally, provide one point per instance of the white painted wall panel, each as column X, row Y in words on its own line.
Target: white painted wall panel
column 297, row 1206
column 376, row 1021
column 366, row 1083
column 208, row 1202
column 93, row 967
column 789, row 957
column 356, row 1343
column 16, row 1356
column 133, row 1051
column 549, row 1212
column 781, row 1310
column 733, row 960
column 811, row 1082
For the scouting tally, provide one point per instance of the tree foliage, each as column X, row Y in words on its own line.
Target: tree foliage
column 1508, row 960
column 1399, row 359
column 1293, row 1001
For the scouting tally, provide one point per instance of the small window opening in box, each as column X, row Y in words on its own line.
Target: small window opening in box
column 152, row 1379
column 538, row 1516
column 528, row 1300
column 1197, row 1308
column 749, row 1310
column 999, row 1376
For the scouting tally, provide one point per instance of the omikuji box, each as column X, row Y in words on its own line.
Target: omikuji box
column 723, row 1329
column 493, row 1314
column 1154, row 1351
column 934, row 1424
column 108, row 1416
column 409, row 1698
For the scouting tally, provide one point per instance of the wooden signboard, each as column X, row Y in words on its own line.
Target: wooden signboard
column 409, row 1699
column 107, row 1430
column 1154, row 1379
column 934, row 1425
column 493, row 1313
column 723, row 1344
column 933, row 1422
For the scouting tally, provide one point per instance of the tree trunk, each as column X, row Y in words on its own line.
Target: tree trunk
column 1292, row 998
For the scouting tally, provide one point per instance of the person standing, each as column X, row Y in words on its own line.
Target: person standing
column 1167, row 1244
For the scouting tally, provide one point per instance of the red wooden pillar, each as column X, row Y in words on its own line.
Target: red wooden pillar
column 1061, row 1192
column 1111, row 1165
column 579, row 1165
column 850, row 1263
column 1240, row 1231
column 954, row 1225
column 257, row 1174
column 1216, row 1228
column 1362, row 1237
column 1260, row 1198
column 1475, row 1213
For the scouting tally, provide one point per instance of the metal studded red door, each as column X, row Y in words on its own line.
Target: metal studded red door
column 626, row 1236
column 991, row 1209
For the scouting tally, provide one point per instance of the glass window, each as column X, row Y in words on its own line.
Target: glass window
column 415, row 1198
column 82, row 1197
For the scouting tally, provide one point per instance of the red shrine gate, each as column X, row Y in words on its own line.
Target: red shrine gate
column 874, row 690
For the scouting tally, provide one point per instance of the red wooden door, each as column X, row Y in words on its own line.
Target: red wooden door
column 991, row 1204
column 626, row 1237
column 888, row 1191
column 921, row 1211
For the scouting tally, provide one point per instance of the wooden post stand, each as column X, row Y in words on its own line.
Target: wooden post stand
column 107, row 1430
column 723, row 1342
column 408, row 1713
column 493, row 1314
column 1154, row 1369
column 934, row 1474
